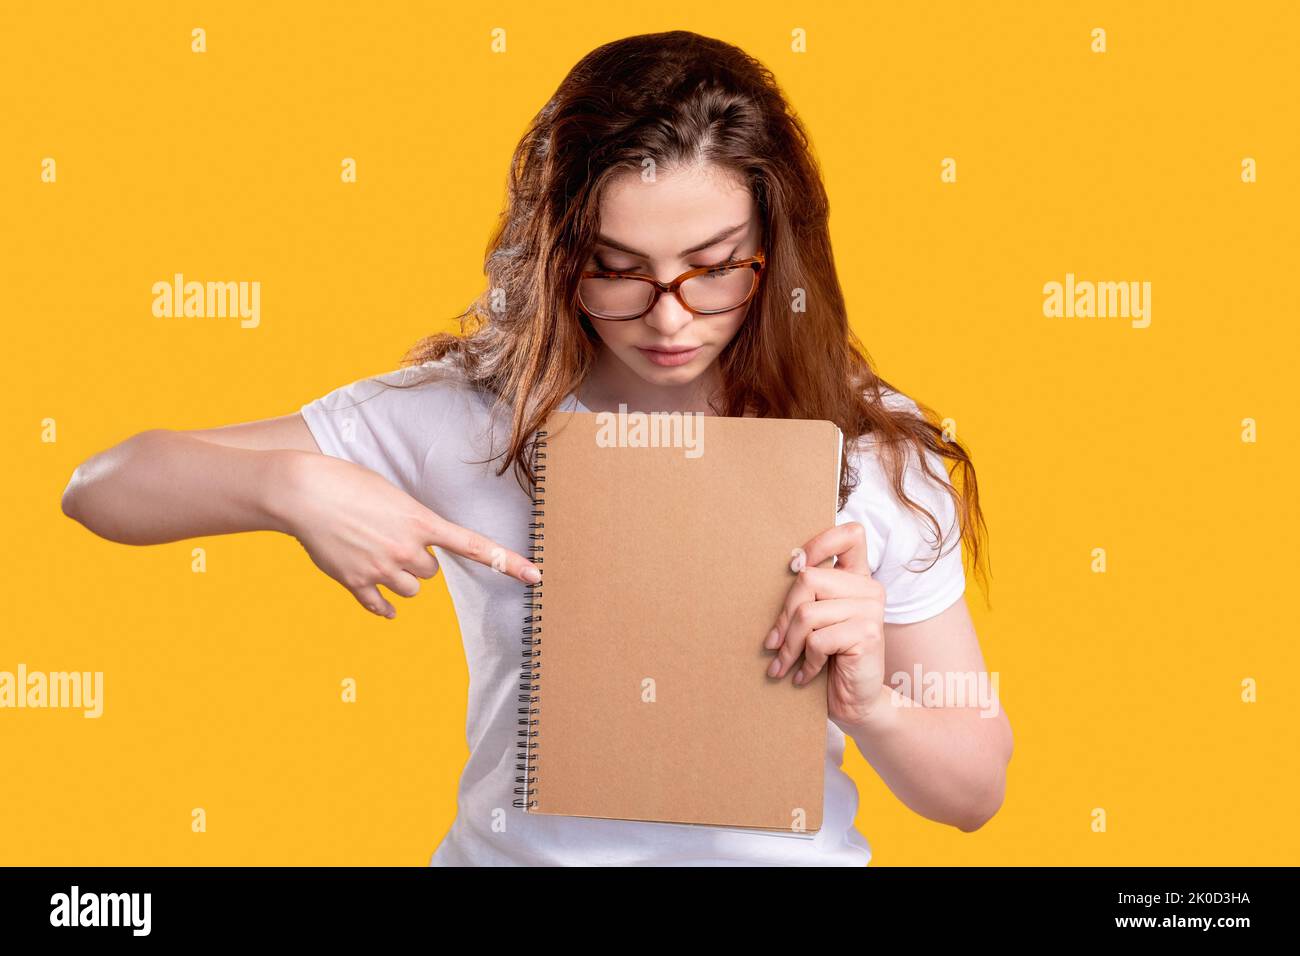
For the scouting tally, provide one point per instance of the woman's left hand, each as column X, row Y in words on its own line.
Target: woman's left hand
column 835, row 618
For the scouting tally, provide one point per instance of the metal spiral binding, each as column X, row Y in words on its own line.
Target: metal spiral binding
column 532, row 642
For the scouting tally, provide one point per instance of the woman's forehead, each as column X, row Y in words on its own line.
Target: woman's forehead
column 671, row 213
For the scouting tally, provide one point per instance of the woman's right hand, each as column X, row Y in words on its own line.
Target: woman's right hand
column 363, row 531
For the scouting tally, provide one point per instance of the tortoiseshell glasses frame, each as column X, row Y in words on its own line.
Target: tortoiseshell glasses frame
column 756, row 262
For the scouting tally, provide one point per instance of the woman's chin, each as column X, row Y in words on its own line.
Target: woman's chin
column 674, row 377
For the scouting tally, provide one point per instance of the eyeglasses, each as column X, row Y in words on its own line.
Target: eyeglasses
column 709, row 290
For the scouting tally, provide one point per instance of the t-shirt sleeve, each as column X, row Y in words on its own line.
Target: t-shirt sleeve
column 901, row 544
column 388, row 423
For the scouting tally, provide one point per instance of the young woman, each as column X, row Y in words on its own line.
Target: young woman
column 671, row 158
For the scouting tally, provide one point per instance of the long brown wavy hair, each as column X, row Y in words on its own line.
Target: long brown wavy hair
column 679, row 98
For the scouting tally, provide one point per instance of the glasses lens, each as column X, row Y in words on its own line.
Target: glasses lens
column 615, row 298
column 719, row 290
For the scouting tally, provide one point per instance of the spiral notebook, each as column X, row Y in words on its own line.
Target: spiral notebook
column 665, row 544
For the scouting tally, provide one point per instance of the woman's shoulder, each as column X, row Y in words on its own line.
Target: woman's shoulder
column 899, row 540
column 867, row 446
column 895, row 400
column 412, row 401
column 874, row 501
column 446, row 373
column 391, row 420
column 410, row 389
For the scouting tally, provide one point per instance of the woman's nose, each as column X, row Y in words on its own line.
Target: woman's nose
column 668, row 317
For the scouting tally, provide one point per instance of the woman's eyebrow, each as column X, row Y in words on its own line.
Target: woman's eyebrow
column 712, row 240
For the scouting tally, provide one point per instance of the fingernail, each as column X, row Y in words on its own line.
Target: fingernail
column 391, row 614
column 532, row 575
column 774, row 668
column 773, row 638
column 799, row 560
column 798, row 677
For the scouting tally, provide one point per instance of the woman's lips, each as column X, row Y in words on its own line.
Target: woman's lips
column 662, row 357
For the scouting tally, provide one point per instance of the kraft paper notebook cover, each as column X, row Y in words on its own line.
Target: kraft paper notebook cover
column 644, row 693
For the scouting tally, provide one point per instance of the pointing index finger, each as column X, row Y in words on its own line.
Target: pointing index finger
column 472, row 545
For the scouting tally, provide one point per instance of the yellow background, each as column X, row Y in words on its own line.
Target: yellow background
column 222, row 689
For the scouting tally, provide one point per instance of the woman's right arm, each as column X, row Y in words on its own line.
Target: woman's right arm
column 162, row 485
column 359, row 528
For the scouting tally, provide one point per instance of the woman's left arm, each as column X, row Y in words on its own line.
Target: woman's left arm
column 946, row 762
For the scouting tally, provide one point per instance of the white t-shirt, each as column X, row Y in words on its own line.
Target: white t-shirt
column 425, row 439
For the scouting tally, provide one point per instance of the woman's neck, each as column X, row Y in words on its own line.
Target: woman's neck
column 611, row 383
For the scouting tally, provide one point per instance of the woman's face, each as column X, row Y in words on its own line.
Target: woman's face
column 686, row 218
